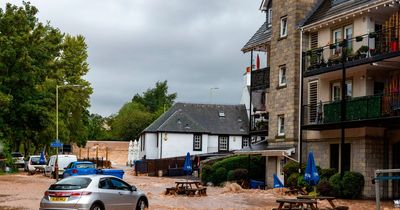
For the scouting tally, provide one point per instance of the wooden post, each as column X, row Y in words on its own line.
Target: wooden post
column 97, row 151
column 88, row 152
column 80, row 152
column 106, row 153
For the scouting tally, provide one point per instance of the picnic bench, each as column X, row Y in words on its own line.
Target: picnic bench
column 321, row 198
column 189, row 188
column 296, row 204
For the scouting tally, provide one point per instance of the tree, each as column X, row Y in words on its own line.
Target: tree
column 34, row 58
column 136, row 115
column 132, row 118
column 98, row 128
column 156, row 99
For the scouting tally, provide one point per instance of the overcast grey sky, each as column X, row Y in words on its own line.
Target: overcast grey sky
column 132, row 44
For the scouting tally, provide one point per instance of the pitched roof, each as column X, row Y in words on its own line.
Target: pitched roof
column 202, row 118
column 326, row 9
column 262, row 36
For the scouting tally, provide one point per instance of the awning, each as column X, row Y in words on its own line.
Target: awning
column 269, row 152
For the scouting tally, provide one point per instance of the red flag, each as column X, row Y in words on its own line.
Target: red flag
column 258, row 62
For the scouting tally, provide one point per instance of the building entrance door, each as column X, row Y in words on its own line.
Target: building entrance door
column 396, row 164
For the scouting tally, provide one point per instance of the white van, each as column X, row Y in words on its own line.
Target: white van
column 63, row 162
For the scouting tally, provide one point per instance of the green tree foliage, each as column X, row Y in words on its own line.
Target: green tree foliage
column 131, row 120
column 99, row 128
column 156, row 99
column 136, row 115
column 34, row 59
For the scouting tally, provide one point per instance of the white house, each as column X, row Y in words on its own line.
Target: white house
column 195, row 128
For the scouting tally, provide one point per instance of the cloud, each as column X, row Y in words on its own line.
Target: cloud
column 132, row 44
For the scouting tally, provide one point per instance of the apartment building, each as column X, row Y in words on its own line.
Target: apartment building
column 350, row 87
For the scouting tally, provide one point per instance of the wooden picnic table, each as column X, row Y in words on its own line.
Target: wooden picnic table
column 328, row 198
column 189, row 188
column 187, row 184
column 297, row 203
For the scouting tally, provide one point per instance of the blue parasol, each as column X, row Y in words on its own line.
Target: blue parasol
column 42, row 160
column 187, row 166
column 277, row 182
column 311, row 175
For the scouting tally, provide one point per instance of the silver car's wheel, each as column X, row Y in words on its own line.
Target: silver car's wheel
column 96, row 206
column 141, row 205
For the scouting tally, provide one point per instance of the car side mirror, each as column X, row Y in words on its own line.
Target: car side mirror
column 133, row 188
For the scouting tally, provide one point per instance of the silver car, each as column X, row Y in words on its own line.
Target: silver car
column 93, row 192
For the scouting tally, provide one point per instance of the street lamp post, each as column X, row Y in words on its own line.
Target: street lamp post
column 56, row 163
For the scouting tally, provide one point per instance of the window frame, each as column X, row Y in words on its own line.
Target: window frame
column 243, row 140
column 219, row 143
column 282, row 76
column 200, row 148
column 281, row 124
column 283, row 32
column 349, row 83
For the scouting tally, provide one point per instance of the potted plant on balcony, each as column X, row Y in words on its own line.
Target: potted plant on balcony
column 359, row 38
column 334, row 59
column 372, row 35
column 332, row 46
column 362, row 51
column 261, row 125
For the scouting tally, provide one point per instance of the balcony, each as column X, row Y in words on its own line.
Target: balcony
column 259, row 124
column 260, row 79
column 376, row 110
column 365, row 49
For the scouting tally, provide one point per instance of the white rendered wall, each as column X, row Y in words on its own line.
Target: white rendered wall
column 151, row 146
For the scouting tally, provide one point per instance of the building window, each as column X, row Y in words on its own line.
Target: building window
column 223, row 143
column 283, row 27
column 245, row 141
column 335, row 156
column 197, row 142
column 282, row 75
column 342, row 33
column 315, row 109
column 336, row 92
column 269, row 21
column 281, row 125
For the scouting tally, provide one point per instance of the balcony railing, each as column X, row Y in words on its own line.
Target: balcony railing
column 260, row 123
column 358, row 50
column 260, row 79
column 359, row 108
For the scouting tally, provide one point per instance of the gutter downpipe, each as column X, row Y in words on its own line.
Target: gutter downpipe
column 300, row 131
column 251, row 96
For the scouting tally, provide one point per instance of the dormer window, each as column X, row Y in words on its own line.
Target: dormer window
column 269, row 17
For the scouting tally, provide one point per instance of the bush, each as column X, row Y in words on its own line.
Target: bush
column 257, row 169
column 327, row 173
column 238, row 174
column 336, row 184
column 206, row 174
column 292, row 180
column 301, row 183
column 290, row 168
column 324, row 188
column 219, row 176
column 353, row 184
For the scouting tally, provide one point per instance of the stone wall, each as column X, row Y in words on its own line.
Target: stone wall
column 285, row 51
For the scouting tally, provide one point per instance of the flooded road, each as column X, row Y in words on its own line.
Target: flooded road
column 20, row 192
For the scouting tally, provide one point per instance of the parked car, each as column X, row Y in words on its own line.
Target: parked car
column 18, row 159
column 63, row 162
column 80, row 168
column 93, row 192
column 33, row 164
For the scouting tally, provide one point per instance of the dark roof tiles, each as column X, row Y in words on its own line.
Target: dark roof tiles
column 262, row 36
column 202, row 118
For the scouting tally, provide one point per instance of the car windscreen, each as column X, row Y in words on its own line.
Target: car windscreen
column 16, row 155
column 84, row 165
column 35, row 160
column 71, row 183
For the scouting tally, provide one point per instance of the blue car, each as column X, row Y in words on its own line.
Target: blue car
column 80, row 168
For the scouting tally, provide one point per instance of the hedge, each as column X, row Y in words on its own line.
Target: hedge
column 350, row 187
column 216, row 175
